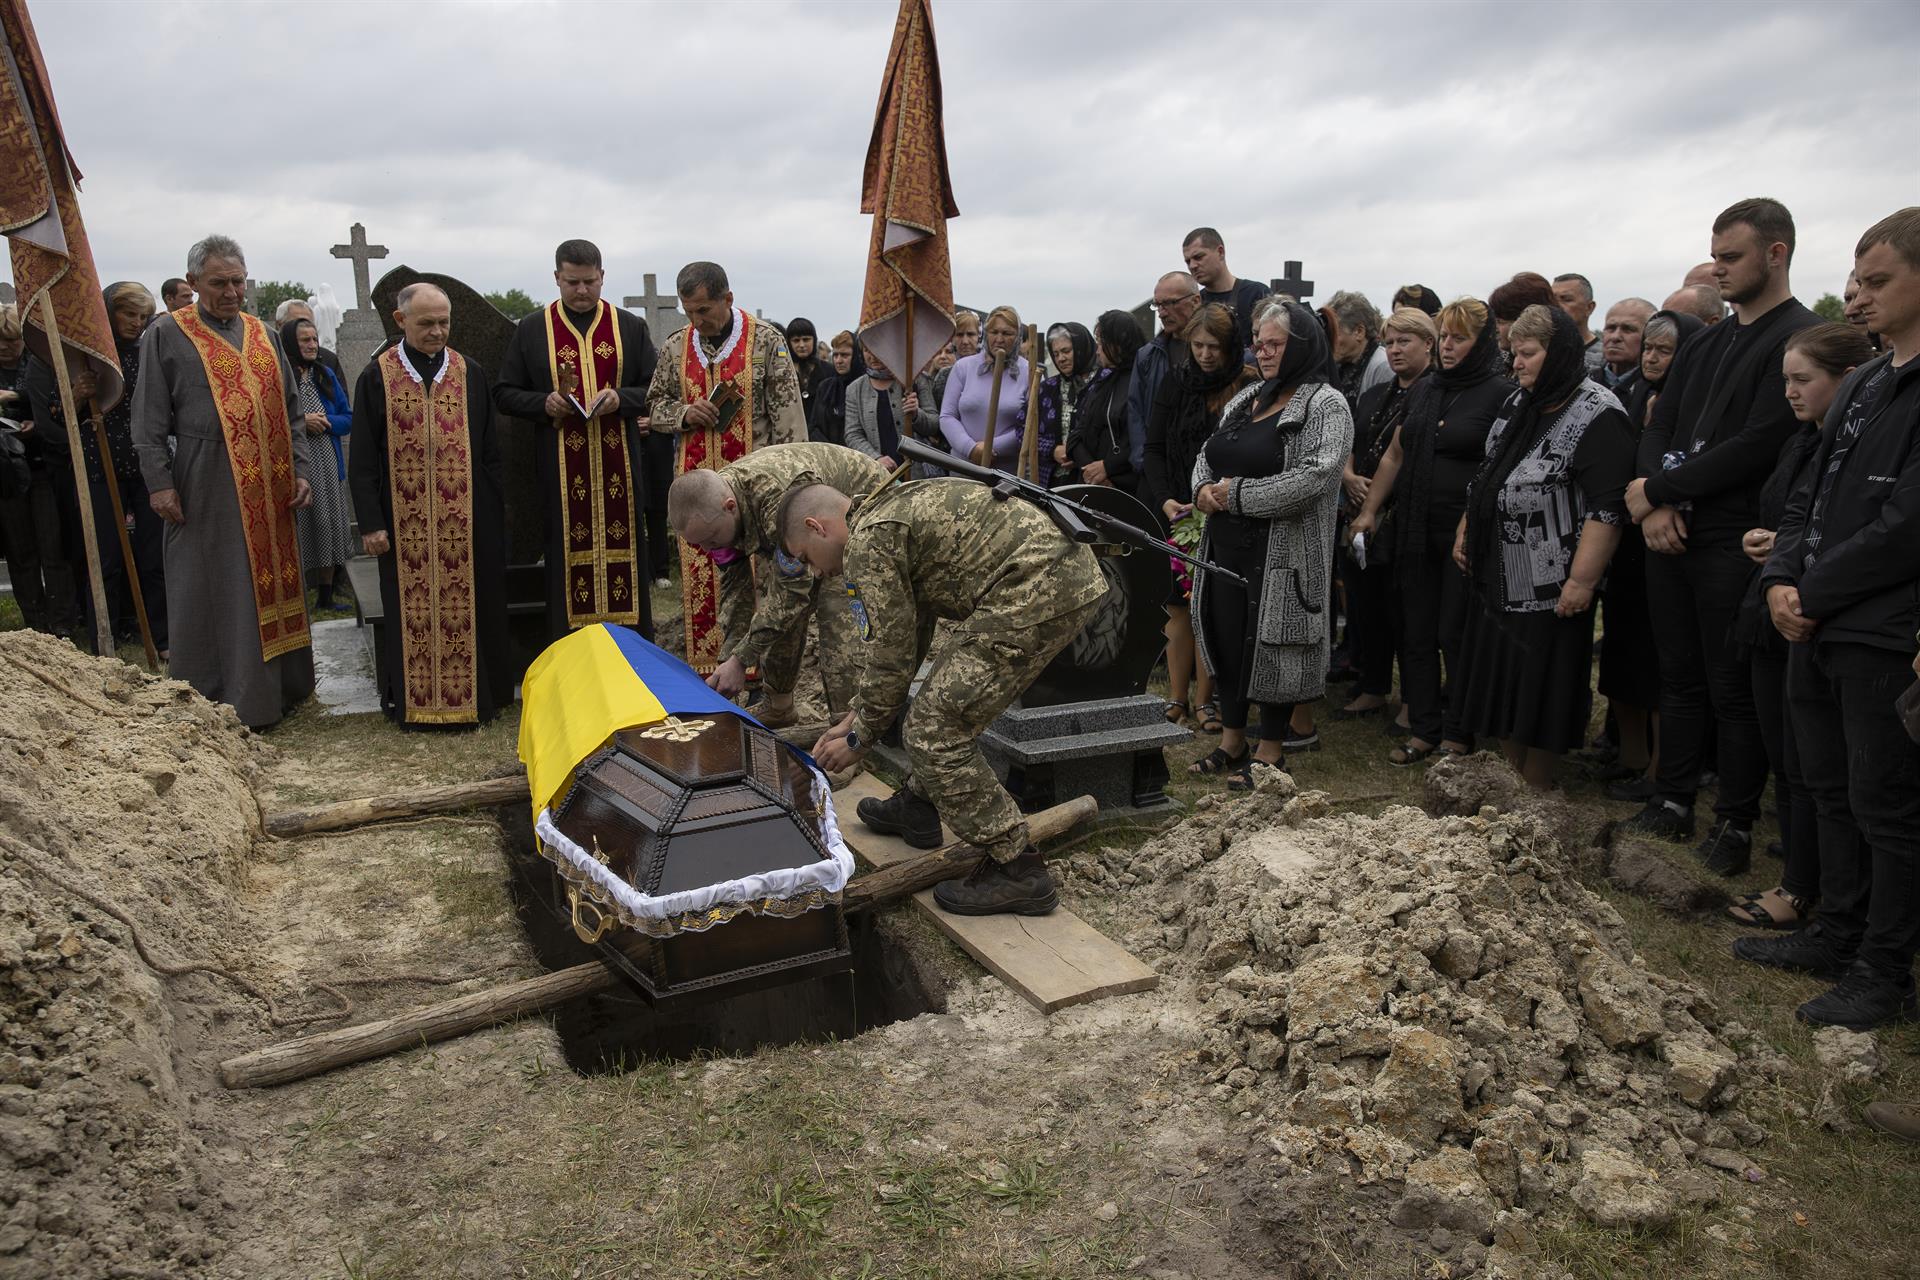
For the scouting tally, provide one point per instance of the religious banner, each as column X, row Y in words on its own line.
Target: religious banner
column 906, row 312
column 40, row 213
column 727, row 380
column 430, row 469
column 252, row 404
column 603, row 573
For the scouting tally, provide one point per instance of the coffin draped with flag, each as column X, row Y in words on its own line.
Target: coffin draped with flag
column 695, row 848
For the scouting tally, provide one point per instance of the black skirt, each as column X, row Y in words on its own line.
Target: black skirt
column 1528, row 676
column 1629, row 663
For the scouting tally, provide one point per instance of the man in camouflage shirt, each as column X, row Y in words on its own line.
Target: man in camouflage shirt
column 1018, row 592
column 731, row 515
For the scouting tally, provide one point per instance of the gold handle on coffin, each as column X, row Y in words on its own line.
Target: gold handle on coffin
column 603, row 920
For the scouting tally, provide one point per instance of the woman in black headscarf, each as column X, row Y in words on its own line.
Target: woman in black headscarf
column 1430, row 465
column 1070, row 343
column 129, row 308
column 1100, row 442
column 803, row 346
column 827, row 421
column 1543, row 517
column 1268, row 481
column 1629, row 661
column 325, row 419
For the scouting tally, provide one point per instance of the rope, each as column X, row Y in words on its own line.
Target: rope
column 59, row 687
column 31, row 858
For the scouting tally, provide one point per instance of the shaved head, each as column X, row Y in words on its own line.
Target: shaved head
column 699, row 493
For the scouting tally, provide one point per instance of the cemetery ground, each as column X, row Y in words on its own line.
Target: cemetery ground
column 977, row 1139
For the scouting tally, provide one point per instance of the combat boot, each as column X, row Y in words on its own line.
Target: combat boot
column 1900, row 1119
column 903, row 814
column 1022, row 887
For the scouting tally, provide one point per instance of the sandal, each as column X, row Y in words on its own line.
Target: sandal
column 1177, row 712
column 1210, row 718
column 1407, row 754
column 1218, row 761
column 1756, row 912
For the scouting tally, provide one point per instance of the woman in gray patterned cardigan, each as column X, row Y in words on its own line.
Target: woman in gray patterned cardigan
column 1269, row 483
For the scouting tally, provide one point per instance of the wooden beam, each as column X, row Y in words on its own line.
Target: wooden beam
column 313, row 1054
column 914, row 874
column 400, row 804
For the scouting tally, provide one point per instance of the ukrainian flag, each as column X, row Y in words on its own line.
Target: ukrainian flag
column 590, row 685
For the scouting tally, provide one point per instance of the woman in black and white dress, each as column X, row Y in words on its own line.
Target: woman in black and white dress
column 325, row 418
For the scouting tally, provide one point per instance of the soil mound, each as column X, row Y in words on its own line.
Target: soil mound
column 1436, row 1011
column 139, row 792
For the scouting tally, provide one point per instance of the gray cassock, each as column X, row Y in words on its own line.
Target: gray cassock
column 213, row 622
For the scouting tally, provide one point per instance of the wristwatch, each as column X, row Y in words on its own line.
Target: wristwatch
column 853, row 740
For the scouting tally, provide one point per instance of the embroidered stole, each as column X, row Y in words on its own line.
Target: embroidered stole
column 252, row 404
column 713, row 449
column 430, row 479
column 596, row 475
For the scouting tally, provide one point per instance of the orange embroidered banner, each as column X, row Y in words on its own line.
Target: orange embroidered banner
column 714, row 449
column 252, row 404
column 430, row 469
column 596, row 475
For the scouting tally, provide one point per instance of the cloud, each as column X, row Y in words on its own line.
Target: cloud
column 1377, row 143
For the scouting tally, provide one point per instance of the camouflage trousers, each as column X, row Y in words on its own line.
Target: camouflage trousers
column 839, row 644
column 974, row 678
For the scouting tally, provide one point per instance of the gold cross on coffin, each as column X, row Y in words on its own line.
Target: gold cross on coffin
column 674, row 729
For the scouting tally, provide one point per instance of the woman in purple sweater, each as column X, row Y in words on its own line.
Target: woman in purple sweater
column 963, row 410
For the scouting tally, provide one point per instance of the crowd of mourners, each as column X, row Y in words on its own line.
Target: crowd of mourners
column 1447, row 498
column 1455, row 490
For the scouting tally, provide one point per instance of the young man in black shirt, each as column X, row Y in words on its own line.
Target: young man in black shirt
column 1205, row 254
column 1841, row 585
column 1716, row 432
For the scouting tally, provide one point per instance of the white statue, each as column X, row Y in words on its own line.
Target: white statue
column 326, row 314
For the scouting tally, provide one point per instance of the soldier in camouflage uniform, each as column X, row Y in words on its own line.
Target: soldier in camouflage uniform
column 1018, row 592
column 731, row 515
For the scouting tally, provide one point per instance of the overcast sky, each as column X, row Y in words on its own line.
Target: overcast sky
column 1446, row 143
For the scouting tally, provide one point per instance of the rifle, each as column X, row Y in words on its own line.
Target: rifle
column 1080, row 523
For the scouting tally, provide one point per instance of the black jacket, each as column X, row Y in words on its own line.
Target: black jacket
column 1725, row 406
column 1863, row 586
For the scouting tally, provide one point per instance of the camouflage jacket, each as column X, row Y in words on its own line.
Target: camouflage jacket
column 949, row 549
column 759, row 481
column 777, row 415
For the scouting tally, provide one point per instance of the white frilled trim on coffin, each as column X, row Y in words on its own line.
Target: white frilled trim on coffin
column 784, row 891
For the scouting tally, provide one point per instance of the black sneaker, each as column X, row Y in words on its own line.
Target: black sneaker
column 1862, row 1001
column 1291, row 742
column 1639, row 787
column 1807, row 950
column 903, row 814
column 1022, row 887
column 1662, row 820
column 1727, row 850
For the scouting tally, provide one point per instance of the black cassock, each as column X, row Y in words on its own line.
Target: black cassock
column 525, row 383
column 367, row 474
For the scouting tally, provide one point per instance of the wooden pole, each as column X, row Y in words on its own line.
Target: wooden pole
column 57, row 356
column 400, row 804
column 310, row 1055
column 906, row 428
column 993, row 407
column 1029, row 466
column 126, row 542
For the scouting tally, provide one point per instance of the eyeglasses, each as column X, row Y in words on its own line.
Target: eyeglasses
column 1268, row 348
column 1177, row 302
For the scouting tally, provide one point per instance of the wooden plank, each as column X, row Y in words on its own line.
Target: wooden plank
column 1055, row 960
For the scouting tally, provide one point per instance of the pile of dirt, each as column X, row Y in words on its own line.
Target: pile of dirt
column 1436, row 1014
column 138, row 792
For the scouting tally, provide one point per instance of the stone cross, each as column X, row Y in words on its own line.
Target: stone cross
column 253, row 296
column 361, row 253
column 661, row 311
column 1293, row 286
column 6, row 293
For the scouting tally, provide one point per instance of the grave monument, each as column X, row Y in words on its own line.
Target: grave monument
column 362, row 332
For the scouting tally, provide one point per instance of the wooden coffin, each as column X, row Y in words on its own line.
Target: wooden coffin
column 685, row 808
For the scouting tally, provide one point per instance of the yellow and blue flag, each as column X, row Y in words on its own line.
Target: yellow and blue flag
column 590, row 685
